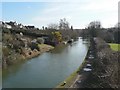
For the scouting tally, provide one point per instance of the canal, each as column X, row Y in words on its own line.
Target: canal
column 48, row 69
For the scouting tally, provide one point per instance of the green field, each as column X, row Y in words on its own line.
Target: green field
column 115, row 47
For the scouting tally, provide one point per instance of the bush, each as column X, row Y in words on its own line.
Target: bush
column 5, row 51
column 40, row 40
column 34, row 46
column 7, row 38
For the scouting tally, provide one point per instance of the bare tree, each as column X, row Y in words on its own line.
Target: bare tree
column 53, row 26
column 93, row 27
column 43, row 27
column 63, row 24
column 71, row 27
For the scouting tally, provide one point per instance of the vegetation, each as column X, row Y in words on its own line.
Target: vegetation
column 17, row 47
column 57, row 36
column 94, row 29
column 64, row 24
column 52, row 26
column 106, row 65
column 40, row 40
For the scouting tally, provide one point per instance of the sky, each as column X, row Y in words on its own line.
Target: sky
column 79, row 13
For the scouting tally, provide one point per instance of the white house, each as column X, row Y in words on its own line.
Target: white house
column 20, row 25
column 7, row 26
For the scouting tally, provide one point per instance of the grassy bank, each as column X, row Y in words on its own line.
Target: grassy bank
column 70, row 80
column 115, row 47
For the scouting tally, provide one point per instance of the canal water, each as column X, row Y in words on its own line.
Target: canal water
column 48, row 69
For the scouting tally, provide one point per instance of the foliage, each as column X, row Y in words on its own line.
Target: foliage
column 5, row 30
column 53, row 26
column 57, row 36
column 7, row 38
column 64, row 24
column 34, row 46
column 17, row 44
column 106, row 66
column 5, row 50
column 40, row 40
column 93, row 27
column 71, row 28
column 116, row 36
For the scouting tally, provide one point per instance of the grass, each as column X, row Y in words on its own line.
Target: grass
column 45, row 45
column 115, row 47
column 70, row 80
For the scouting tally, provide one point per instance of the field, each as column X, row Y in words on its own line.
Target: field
column 115, row 47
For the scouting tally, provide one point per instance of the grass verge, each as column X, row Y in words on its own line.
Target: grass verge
column 115, row 47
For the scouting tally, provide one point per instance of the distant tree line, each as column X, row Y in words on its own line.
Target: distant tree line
column 94, row 29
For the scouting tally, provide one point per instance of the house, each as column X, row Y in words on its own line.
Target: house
column 13, row 24
column 30, row 27
column 5, row 25
column 21, row 26
column 8, row 26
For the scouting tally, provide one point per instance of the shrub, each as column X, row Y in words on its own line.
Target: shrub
column 5, row 51
column 40, row 40
column 34, row 46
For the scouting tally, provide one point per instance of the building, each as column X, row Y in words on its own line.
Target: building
column 5, row 25
column 30, row 27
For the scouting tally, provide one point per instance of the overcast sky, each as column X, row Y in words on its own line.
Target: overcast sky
column 78, row 13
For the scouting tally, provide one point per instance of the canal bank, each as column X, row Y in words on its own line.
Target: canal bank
column 27, row 54
column 92, row 74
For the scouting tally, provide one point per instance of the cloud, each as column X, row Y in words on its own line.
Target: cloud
column 81, row 13
column 78, row 12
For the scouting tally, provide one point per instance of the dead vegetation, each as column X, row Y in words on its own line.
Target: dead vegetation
column 106, row 66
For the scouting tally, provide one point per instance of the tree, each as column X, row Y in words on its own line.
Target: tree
column 63, row 24
column 116, row 36
column 40, row 40
column 53, row 26
column 34, row 46
column 43, row 27
column 93, row 27
column 71, row 27
column 57, row 36
column 46, row 28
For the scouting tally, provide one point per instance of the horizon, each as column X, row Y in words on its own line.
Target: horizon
column 78, row 14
